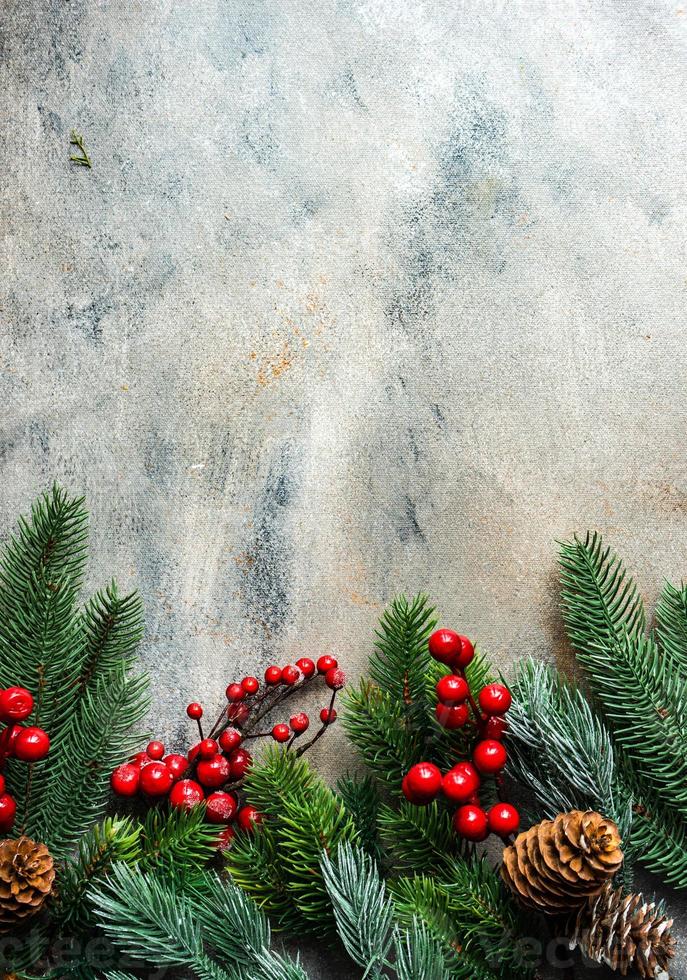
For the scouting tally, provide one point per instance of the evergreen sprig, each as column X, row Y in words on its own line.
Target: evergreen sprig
column 78, row 665
column 360, row 796
column 419, row 838
column 671, row 616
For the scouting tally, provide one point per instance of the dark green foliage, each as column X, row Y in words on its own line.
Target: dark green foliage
column 401, row 659
column 176, row 843
column 77, row 665
column 303, row 818
column 671, row 616
column 419, row 838
column 360, row 796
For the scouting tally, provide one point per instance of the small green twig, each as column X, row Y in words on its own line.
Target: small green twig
column 76, row 139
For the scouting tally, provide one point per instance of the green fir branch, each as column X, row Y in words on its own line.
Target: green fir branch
column 419, row 838
column 360, row 797
column 671, row 616
column 177, row 843
column 418, row 954
column 253, row 863
column 401, row 658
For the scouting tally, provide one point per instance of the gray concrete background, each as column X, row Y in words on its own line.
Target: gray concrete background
column 360, row 296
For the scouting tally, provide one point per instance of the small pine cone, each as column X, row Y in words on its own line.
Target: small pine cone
column 26, row 879
column 626, row 933
column 556, row 865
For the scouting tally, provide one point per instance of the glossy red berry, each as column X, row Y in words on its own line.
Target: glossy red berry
column 213, row 772
column 335, row 678
column 140, row 759
column 306, row 666
column 494, row 727
column 417, row 799
column 281, row 733
column 460, row 783
column 230, row 739
column 250, row 685
column 451, row 718
column 424, row 779
column 238, row 713
column 177, row 764
column 235, row 692
column 155, row 750
column 16, row 704
column 504, row 819
column 290, row 675
column 2, row 784
column 452, row 689
column 489, row 756
column 31, row 744
column 248, row 817
column 240, row 762
column 208, row 748
column 221, row 807
column 327, row 716
column 465, row 654
column 273, row 675
column 186, row 794
column 156, row 779
column 194, row 710
column 444, row 645
column 495, row 699
column 125, row 779
column 8, row 811
column 471, row 822
column 299, row 723
column 225, row 838
column 326, row 663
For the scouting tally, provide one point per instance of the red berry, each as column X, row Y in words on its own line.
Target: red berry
column 452, row 689
column 240, row 762
column 2, row 784
column 208, row 748
column 186, row 794
column 495, row 699
column 238, row 713
column 125, row 779
column 225, row 838
column 460, row 783
column 155, row 750
column 424, row 779
column 281, row 733
column 326, row 663
column 451, row 718
column 417, row 799
column 444, row 645
column 306, row 666
column 504, row 819
column 221, row 807
column 494, row 728
column 31, row 744
column 299, row 723
column 327, row 716
column 230, row 739
column 213, row 772
column 12, row 738
column 335, row 678
column 177, row 764
column 489, row 756
column 235, row 692
column 156, row 779
column 194, row 710
column 465, row 654
column 8, row 811
column 273, row 675
column 248, row 817
column 250, row 685
column 290, row 675
column 471, row 823
column 16, row 704
column 140, row 759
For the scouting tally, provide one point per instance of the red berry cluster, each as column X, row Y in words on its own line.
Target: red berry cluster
column 25, row 742
column 456, row 708
column 213, row 769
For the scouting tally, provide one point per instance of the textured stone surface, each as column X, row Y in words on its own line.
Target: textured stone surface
column 359, row 296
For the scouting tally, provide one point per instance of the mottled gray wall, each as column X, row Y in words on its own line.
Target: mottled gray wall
column 359, row 296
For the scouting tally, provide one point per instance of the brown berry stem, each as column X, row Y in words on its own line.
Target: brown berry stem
column 320, row 732
column 471, row 701
column 200, row 729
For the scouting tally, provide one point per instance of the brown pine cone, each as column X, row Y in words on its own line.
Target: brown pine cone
column 26, row 878
column 557, row 864
column 626, row 933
